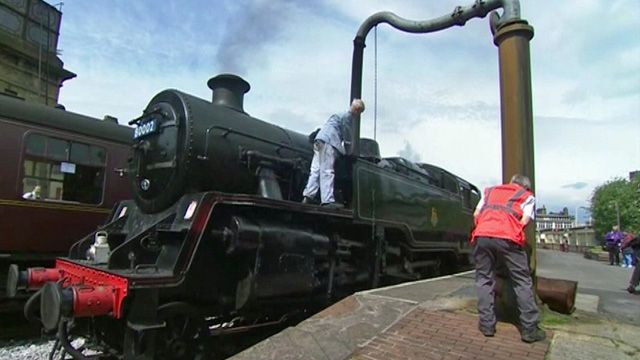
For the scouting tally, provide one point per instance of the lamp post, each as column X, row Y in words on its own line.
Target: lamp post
column 615, row 202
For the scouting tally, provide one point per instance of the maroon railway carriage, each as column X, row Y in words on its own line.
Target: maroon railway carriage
column 73, row 159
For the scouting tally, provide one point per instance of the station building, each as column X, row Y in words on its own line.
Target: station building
column 30, row 68
column 553, row 220
column 555, row 228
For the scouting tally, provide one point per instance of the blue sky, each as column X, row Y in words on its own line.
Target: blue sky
column 437, row 94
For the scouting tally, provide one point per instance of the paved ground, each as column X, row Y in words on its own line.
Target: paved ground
column 435, row 319
column 428, row 334
column 597, row 278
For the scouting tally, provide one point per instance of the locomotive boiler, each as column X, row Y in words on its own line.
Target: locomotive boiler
column 216, row 242
column 186, row 144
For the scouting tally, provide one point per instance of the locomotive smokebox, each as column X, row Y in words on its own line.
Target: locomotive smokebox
column 185, row 144
column 228, row 90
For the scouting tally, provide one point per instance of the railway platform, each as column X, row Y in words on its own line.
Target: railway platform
column 436, row 319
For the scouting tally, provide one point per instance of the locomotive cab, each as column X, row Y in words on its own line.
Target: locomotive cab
column 370, row 150
column 344, row 180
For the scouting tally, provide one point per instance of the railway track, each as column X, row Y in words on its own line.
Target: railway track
column 20, row 339
column 15, row 328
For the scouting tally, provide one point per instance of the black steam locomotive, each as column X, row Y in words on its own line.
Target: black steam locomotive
column 216, row 241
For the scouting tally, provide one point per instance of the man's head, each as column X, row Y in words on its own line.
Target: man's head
column 521, row 180
column 357, row 107
column 37, row 189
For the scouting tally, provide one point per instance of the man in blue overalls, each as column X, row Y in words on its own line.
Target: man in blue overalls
column 327, row 146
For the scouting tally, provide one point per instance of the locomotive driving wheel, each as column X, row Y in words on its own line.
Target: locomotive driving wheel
column 182, row 337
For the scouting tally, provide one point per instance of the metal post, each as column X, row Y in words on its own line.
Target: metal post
column 617, row 215
column 46, row 61
column 356, row 89
column 512, row 39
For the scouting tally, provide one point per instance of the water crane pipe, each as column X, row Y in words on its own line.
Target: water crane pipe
column 459, row 16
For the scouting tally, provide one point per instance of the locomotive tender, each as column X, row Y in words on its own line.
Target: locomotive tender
column 216, row 240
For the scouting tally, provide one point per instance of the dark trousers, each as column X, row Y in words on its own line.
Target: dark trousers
column 487, row 252
column 635, row 276
column 614, row 254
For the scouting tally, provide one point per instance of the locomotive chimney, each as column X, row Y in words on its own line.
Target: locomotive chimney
column 228, row 90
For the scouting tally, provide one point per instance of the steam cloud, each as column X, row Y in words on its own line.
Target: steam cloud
column 409, row 153
column 248, row 30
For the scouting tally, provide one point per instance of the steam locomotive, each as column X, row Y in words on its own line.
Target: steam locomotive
column 217, row 242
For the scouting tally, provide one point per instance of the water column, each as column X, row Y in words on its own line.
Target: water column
column 512, row 39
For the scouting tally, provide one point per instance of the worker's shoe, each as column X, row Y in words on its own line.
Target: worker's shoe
column 631, row 289
column 488, row 331
column 307, row 200
column 533, row 335
column 333, row 205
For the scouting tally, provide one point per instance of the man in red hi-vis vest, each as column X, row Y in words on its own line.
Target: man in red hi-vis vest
column 500, row 218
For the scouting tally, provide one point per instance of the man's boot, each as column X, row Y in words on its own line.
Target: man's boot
column 533, row 335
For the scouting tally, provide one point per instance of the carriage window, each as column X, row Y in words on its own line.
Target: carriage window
column 56, row 173
column 63, row 170
column 57, row 149
column 79, row 153
column 41, row 169
column 28, row 167
column 98, row 155
column 36, row 144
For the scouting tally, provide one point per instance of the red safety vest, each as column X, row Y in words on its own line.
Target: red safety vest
column 500, row 215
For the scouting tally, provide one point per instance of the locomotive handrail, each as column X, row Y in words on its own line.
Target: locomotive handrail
column 145, row 114
column 230, row 130
column 458, row 17
column 249, row 155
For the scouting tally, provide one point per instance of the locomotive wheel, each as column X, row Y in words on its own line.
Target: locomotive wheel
column 183, row 335
column 181, row 338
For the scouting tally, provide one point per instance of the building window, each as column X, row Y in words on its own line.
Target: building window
column 65, row 170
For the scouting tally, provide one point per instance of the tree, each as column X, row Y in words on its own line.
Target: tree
column 616, row 197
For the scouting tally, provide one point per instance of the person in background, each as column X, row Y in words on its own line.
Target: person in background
column 33, row 194
column 565, row 242
column 328, row 144
column 634, row 243
column 613, row 239
column 627, row 251
column 500, row 219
